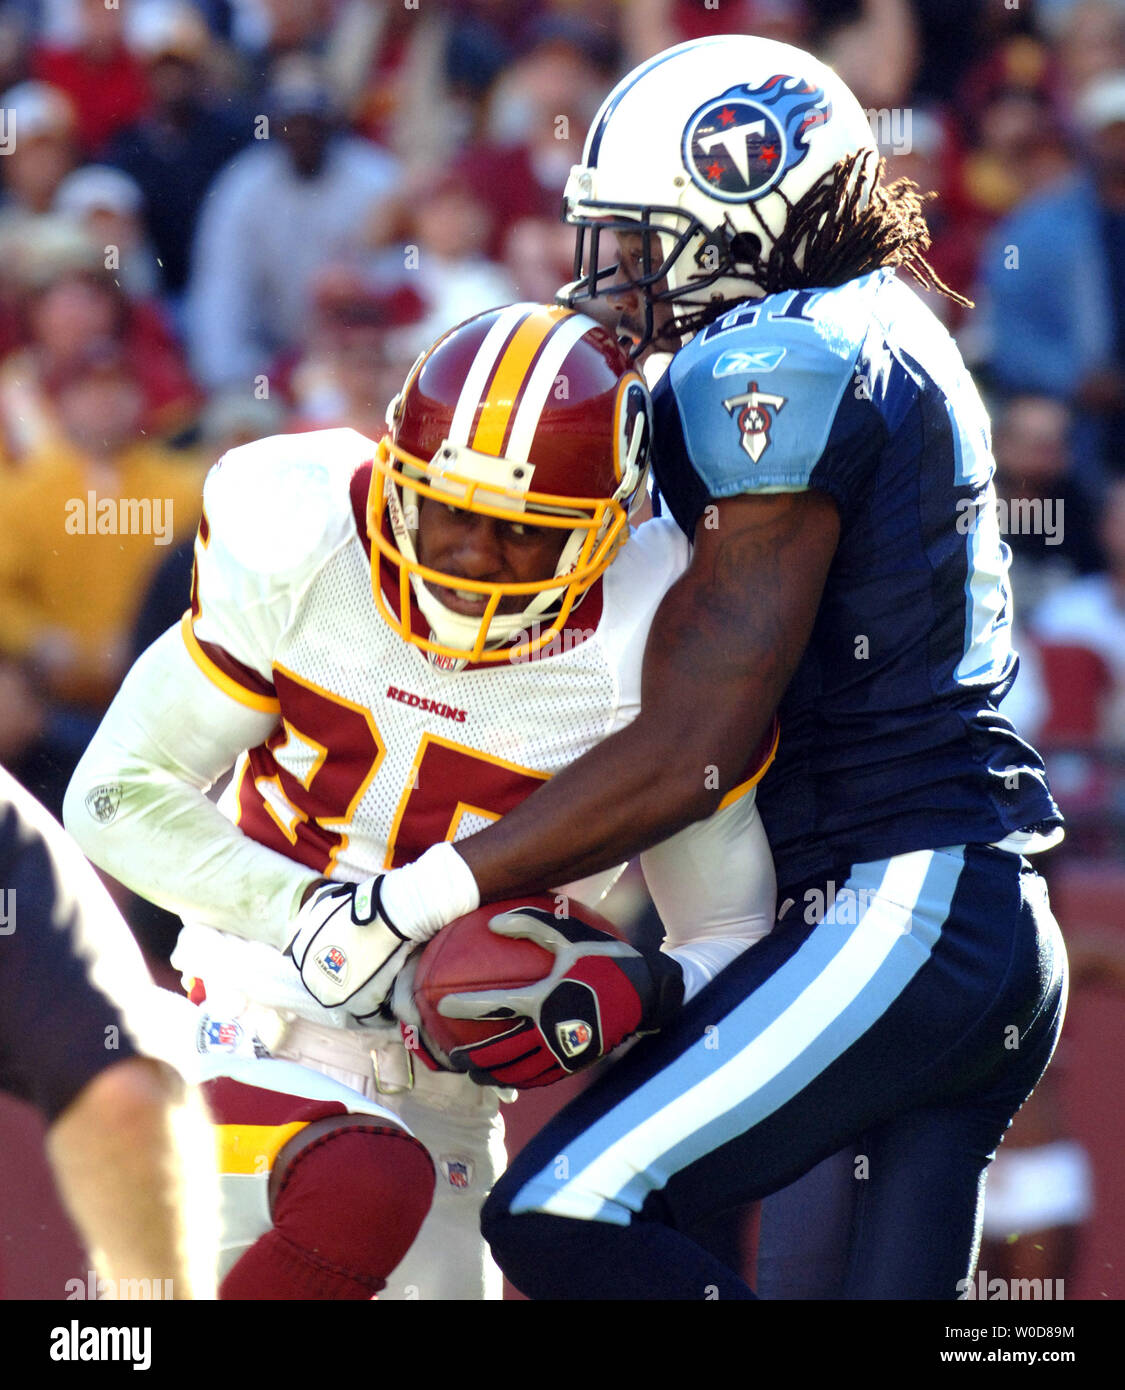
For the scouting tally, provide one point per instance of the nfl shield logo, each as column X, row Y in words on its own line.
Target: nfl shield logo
column 459, row 1171
column 574, row 1036
column 102, row 802
column 334, row 963
column 445, row 663
column 218, row 1035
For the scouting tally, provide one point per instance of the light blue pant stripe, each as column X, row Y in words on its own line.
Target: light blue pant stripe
column 771, row 999
column 751, row 1017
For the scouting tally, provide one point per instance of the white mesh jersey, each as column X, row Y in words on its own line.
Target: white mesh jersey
column 379, row 753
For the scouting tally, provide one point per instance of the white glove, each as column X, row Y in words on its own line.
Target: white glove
column 345, row 943
column 349, row 936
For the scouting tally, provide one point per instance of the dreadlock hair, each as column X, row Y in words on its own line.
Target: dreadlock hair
column 829, row 238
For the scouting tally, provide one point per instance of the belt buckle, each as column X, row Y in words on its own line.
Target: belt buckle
column 389, row 1088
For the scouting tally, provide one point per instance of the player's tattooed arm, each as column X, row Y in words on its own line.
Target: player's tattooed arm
column 723, row 646
column 743, row 611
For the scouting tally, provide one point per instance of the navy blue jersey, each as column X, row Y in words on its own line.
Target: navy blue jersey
column 891, row 739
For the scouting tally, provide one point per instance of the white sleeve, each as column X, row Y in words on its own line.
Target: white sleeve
column 203, row 694
column 714, row 887
column 137, row 804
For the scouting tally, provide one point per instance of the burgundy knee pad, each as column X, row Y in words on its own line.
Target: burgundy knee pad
column 346, row 1209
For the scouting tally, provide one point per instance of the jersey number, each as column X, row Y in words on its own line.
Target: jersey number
column 305, row 816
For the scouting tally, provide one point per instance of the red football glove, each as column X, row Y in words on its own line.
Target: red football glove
column 598, row 993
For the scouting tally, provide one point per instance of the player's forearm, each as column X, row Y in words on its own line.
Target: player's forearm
column 723, row 647
column 138, row 808
column 629, row 793
column 171, row 845
column 133, row 1157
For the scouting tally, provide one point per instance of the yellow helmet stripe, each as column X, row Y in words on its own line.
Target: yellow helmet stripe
column 510, row 378
column 482, row 370
column 540, row 382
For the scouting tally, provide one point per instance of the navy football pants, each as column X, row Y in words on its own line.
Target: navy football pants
column 915, row 1015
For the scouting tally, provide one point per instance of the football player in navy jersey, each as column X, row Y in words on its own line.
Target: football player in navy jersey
column 820, row 441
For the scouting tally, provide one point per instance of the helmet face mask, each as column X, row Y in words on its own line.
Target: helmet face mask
column 708, row 148
column 593, row 535
column 723, row 253
column 576, row 470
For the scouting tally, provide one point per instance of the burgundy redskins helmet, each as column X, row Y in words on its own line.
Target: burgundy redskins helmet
column 531, row 414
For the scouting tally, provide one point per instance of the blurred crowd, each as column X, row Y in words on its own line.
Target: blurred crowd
column 221, row 219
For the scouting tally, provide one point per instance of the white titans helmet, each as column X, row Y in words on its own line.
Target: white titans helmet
column 709, row 145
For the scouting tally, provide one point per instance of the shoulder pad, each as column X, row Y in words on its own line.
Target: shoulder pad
column 758, row 390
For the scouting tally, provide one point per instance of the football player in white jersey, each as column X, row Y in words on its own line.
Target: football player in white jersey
column 394, row 644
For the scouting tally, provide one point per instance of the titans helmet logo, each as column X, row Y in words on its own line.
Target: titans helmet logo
column 738, row 146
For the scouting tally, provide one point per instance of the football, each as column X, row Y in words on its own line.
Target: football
column 465, row 955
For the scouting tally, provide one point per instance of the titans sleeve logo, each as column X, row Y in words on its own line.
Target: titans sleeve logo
column 737, row 146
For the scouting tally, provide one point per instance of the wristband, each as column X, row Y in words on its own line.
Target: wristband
column 422, row 897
